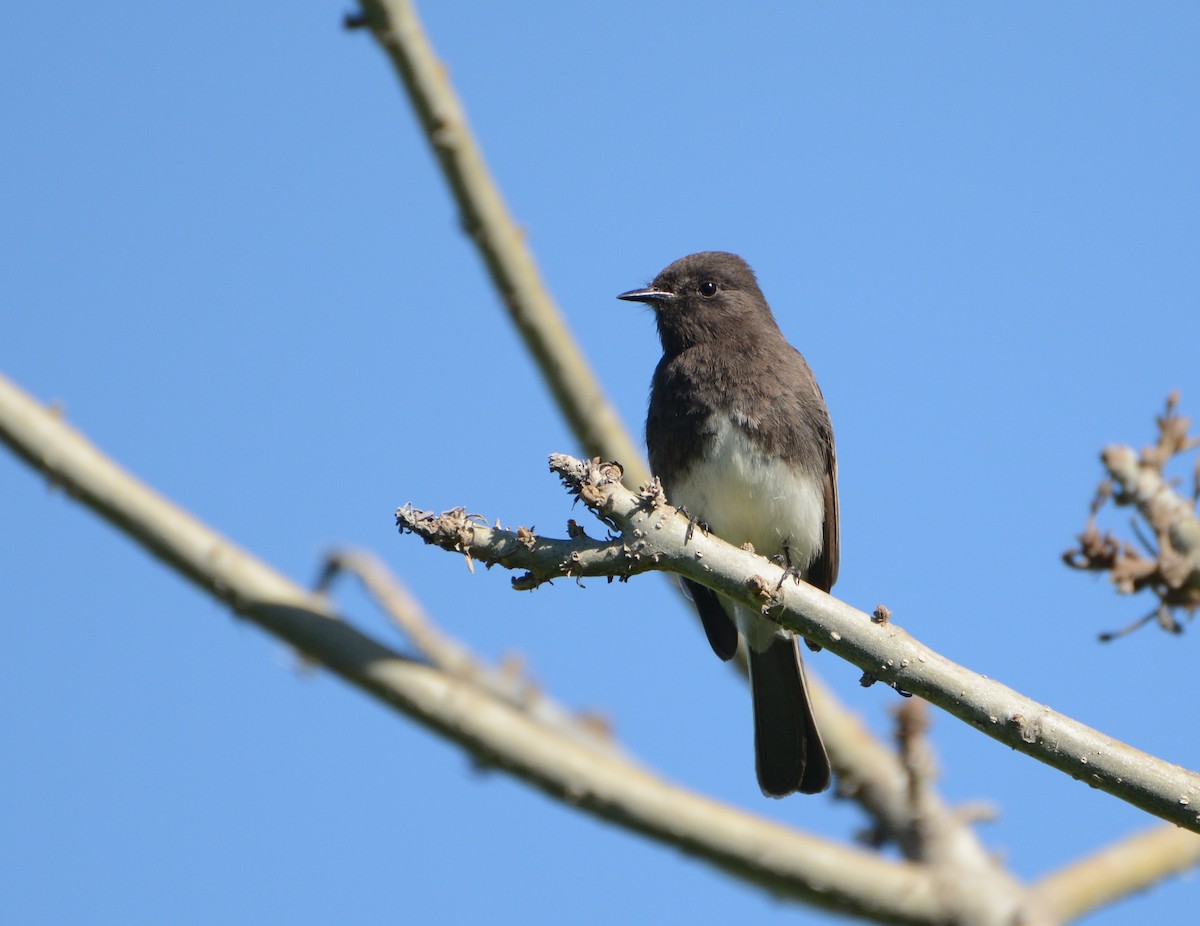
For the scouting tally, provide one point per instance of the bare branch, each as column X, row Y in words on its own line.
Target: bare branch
column 1130, row 866
column 508, row 681
column 656, row 536
column 501, row 242
column 594, row 780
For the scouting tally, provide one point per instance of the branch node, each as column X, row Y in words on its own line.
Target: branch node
column 1029, row 731
column 762, row 591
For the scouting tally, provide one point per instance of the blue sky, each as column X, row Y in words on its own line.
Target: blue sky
column 226, row 250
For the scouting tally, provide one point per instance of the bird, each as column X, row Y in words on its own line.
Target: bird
column 740, row 438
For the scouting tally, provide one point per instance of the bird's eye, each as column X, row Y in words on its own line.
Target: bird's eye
column 708, row 288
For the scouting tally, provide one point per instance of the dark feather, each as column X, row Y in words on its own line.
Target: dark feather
column 823, row 572
column 718, row 626
column 788, row 751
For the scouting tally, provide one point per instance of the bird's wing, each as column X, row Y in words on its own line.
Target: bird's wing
column 824, row 571
column 718, row 625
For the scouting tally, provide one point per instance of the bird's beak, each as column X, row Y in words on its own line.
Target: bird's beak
column 650, row 294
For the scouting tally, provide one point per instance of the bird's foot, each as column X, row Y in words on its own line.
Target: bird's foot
column 784, row 560
column 693, row 523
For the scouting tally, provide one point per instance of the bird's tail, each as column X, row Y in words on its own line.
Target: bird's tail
column 789, row 754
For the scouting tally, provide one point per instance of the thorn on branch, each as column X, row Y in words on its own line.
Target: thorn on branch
column 867, row 679
column 527, row 582
column 762, row 591
column 590, row 481
column 651, row 495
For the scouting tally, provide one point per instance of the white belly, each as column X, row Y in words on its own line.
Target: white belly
column 746, row 497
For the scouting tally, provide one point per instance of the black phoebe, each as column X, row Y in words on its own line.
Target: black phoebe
column 739, row 435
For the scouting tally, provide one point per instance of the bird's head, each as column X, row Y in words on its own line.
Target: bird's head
column 710, row 296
